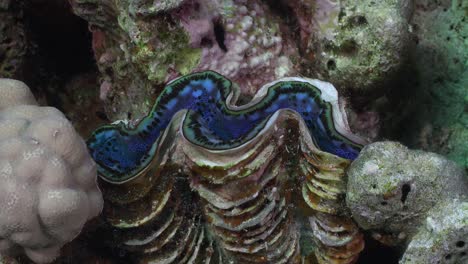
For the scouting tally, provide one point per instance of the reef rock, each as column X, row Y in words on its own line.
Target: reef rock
column 391, row 189
column 436, row 117
column 140, row 45
column 48, row 188
column 358, row 45
column 12, row 40
column 443, row 237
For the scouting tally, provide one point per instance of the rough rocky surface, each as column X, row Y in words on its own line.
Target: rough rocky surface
column 12, row 40
column 427, row 101
column 250, row 42
column 140, row 46
column 435, row 115
column 360, row 46
column 391, row 188
column 7, row 260
column 443, row 237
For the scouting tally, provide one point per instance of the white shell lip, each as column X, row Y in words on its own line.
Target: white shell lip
column 328, row 94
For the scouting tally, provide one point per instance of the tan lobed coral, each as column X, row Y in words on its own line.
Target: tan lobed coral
column 48, row 180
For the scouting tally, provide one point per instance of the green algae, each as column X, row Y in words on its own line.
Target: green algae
column 437, row 118
column 160, row 46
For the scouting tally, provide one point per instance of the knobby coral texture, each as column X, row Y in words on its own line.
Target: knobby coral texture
column 140, row 45
column 411, row 198
column 248, row 178
column 48, row 184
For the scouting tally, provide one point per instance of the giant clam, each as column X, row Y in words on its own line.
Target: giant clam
column 202, row 179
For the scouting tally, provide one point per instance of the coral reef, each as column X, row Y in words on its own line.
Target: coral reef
column 7, row 260
column 12, row 40
column 48, row 188
column 238, row 161
column 78, row 94
column 360, row 45
column 391, row 188
column 436, row 116
column 155, row 43
column 409, row 196
column 140, row 45
column 241, row 174
column 443, row 236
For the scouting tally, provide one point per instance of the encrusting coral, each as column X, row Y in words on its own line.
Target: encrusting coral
column 443, row 236
column 240, row 161
column 358, row 45
column 140, row 45
column 155, row 43
column 48, row 188
column 436, row 116
column 411, row 197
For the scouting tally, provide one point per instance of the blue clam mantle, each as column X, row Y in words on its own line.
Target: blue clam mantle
column 213, row 121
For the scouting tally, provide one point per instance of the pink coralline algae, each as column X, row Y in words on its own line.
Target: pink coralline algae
column 243, row 43
column 140, row 46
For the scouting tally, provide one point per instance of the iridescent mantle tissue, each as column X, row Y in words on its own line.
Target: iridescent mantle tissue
column 248, row 165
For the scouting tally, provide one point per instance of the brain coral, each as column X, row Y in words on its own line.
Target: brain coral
column 48, row 184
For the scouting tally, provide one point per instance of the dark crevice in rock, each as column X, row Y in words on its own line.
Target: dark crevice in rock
column 283, row 11
column 405, row 190
column 220, row 34
column 377, row 252
column 59, row 49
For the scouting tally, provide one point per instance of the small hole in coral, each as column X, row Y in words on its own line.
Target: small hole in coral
column 405, row 190
column 102, row 115
column 331, row 65
column 9, row 68
column 359, row 20
column 383, row 203
column 328, row 47
column 448, row 38
column 220, row 34
column 416, row 40
column 206, row 42
column 196, row 6
column 349, row 47
column 109, row 71
column 448, row 257
column 341, row 14
column 374, row 186
column 460, row 244
column 463, row 254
